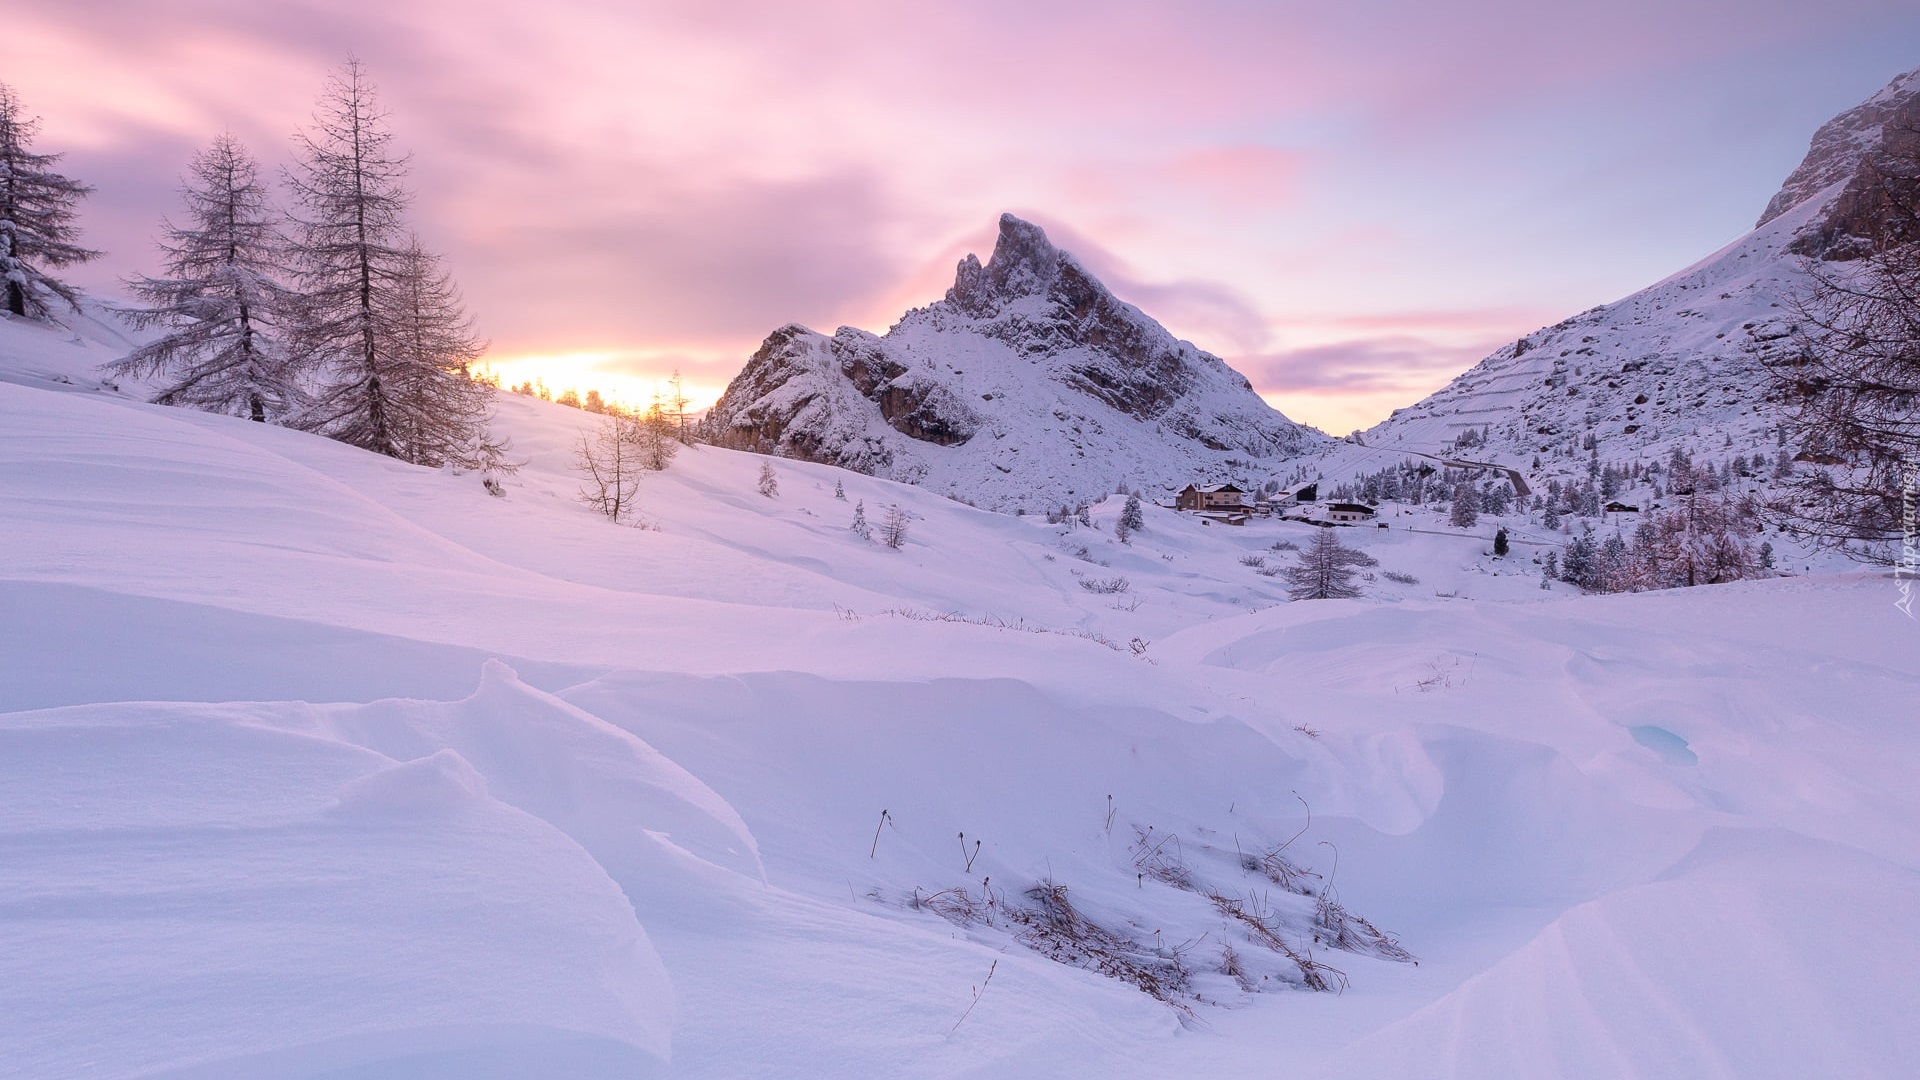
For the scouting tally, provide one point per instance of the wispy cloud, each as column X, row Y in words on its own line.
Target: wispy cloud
column 687, row 174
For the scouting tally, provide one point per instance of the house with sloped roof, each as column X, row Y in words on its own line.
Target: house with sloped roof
column 1211, row 497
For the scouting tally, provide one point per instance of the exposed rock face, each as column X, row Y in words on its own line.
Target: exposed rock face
column 1028, row 385
column 1857, row 162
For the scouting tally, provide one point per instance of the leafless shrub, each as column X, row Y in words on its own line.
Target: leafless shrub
column 1057, row 930
column 1254, row 559
column 1395, row 575
column 1274, row 865
column 1230, row 965
column 1263, row 926
column 1285, row 545
column 956, row 905
column 1160, row 857
column 1106, row 585
column 1336, row 927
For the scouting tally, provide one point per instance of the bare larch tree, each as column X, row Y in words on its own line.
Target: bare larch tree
column 381, row 328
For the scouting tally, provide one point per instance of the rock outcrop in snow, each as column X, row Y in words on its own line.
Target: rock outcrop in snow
column 1682, row 362
column 1030, row 385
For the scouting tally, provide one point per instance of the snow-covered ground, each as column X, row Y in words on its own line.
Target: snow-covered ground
column 316, row 764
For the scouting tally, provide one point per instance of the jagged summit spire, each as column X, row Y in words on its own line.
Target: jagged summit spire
column 1024, row 263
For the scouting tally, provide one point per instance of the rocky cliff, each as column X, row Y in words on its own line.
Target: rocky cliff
column 1858, row 162
column 1030, row 384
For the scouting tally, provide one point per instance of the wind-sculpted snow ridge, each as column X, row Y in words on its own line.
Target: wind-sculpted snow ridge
column 1029, row 385
column 1680, row 364
column 281, row 898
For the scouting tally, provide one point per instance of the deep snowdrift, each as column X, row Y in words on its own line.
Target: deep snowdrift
column 270, row 810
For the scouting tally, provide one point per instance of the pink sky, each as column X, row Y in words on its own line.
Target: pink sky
column 1350, row 202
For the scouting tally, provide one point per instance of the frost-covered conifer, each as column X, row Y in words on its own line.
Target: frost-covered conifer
column 37, row 233
column 381, row 326
column 1325, row 569
column 1580, row 565
column 1466, row 506
column 220, row 302
column 1132, row 515
column 769, row 482
column 860, row 527
column 445, row 408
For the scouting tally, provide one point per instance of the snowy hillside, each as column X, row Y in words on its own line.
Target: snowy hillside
column 1029, row 386
column 1680, row 364
column 317, row 764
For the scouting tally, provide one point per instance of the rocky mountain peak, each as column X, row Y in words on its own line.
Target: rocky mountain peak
column 1030, row 384
column 1859, row 151
column 1024, row 263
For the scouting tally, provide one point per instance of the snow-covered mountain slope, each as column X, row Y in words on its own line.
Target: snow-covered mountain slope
column 747, row 795
column 1030, row 385
column 1682, row 363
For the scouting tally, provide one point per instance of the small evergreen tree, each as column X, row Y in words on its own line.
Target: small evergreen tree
column 893, row 528
column 1466, row 506
column 1500, row 542
column 839, row 491
column 1132, row 515
column 37, row 208
column 860, row 527
column 220, row 304
column 769, row 482
column 1580, row 565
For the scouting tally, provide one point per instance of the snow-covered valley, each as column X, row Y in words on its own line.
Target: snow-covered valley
column 318, row 764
